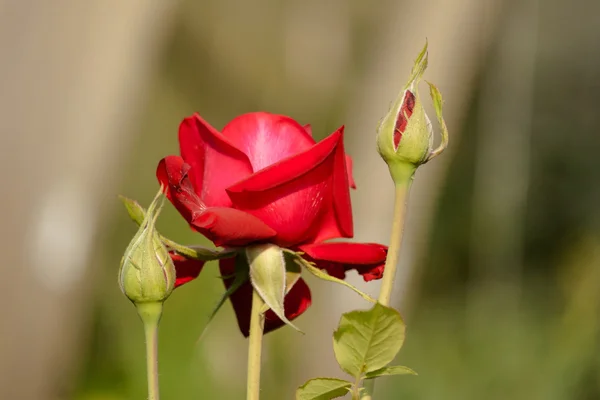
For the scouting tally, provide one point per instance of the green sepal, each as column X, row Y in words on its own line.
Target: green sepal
column 392, row 370
column 366, row 341
column 268, row 277
column 319, row 273
column 134, row 209
column 323, row 389
column 438, row 102
column 137, row 214
column 292, row 274
column 419, row 67
column 196, row 252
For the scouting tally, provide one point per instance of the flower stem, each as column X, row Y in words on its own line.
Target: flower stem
column 391, row 262
column 403, row 183
column 356, row 389
column 150, row 314
column 257, row 324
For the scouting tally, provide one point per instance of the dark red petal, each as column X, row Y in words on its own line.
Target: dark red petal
column 294, row 196
column 223, row 226
column 406, row 110
column 334, row 269
column 172, row 173
column 349, row 171
column 267, row 138
column 186, row 269
column 296, row 301
column 241, row 299
column 371, row 272
column 368, row 259
column 215, row 162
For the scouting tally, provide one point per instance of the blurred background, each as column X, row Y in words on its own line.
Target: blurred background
column 500, row 270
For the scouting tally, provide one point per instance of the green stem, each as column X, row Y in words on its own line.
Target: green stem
column 150, row 314
column 356, row 389
column 257, row 324
column 403, row 182
column 391, row 262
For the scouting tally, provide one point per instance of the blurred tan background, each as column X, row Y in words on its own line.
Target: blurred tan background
column 500, row 270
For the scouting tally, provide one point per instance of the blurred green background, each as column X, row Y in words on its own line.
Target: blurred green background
column 500, row 272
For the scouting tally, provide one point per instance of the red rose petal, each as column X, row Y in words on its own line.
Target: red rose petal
column 230, row 227
column 186, row 269
column 172, row 173
column 215, row 162
column 294, row 196
column 368, row 259
column 337, row 220
column 406, row 110
column 223, row 226
column 267, row 138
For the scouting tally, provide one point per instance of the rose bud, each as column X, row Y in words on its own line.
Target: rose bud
column 405, row 135
column 147, row 273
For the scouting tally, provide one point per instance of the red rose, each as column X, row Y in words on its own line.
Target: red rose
column 265, row 179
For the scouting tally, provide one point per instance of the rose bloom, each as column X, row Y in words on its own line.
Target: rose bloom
column 264, row 179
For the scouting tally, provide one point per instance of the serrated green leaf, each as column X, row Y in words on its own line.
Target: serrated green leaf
column 268, row 277
column 323, row 389
column 366, row 341
column 393, row 370
column 325, row 276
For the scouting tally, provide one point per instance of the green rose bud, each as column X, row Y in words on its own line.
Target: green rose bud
column 147, row 273
column 405, row 134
